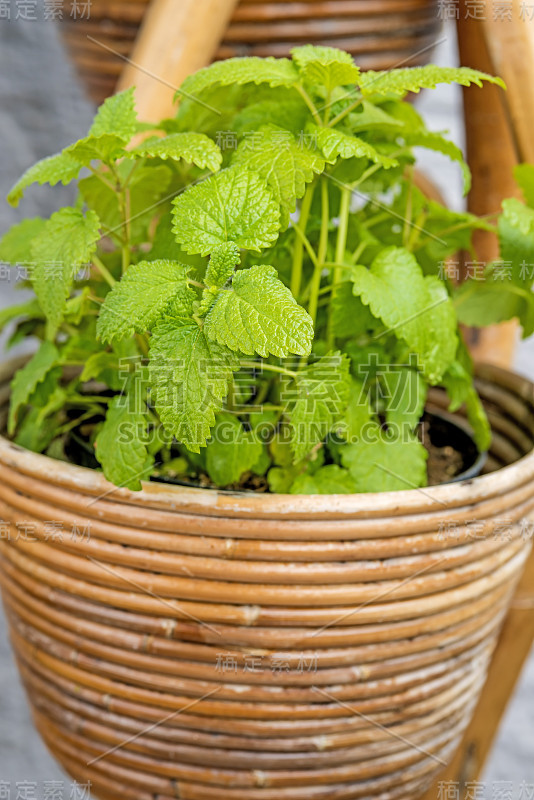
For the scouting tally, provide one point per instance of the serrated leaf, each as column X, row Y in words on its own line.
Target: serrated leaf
column 319, row 401
column 382, row 462
column 286, row 165
column 15, row 244
column 326, row 66
column 405, row 396
column 139, row 299
column 231, row 451
column 60, row 168
column 67, row 241
column 195, row 148
column 235, row 205
column 516, row 239
column 105, row 147
column 260, row 315
column 223, row 261
column 334, row 144
column 240, row 71
column 189, row 376
column 416, row 308
column 117, row 116
column 437, row 143
column 331, row 479
column 28, row 378
column 120, row 445
column 524, row 175
column 413, row 79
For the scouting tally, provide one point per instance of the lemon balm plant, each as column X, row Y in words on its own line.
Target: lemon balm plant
column 256, row 289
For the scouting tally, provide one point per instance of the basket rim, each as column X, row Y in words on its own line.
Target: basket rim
column 223, row 502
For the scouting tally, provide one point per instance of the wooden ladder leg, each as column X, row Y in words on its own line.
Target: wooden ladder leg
column 177, row 38
column 491, row 154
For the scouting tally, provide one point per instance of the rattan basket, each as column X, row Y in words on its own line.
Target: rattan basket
column 198, row 644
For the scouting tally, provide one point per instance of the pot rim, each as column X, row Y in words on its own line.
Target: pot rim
column 223, row 502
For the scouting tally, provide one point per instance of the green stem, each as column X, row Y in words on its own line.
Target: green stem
column 321, row 253
column 104, row 271
column 298, row 251
column 343, row 114
column 307, row 99
column 268, row 367
column 341, row 245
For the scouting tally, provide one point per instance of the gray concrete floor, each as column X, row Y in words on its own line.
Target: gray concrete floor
column 41, row 110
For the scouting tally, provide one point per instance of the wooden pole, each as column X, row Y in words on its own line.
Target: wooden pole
column 177, row 38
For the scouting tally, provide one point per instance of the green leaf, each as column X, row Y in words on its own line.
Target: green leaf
column 189, row 376
column 416, row 308
column 405, row 396
column 235, row 205
column 331, row 479
column 524, row 175
column 67, row 241
column 286, row 165
column 358, row 413
column 260, row 315
column 318, row 402
column 231, row 451
column 290, row 113
column 29, row 309
column 350, row 317
column 334, row 144
column 222, row 263
column 239, row 71
column 27, row 379
column 438, row 143
column 413, row 79
column 516, row 238
column 385, row 462
column 105, row 147
column 60, row 168
column 117, row 116
column 140, row 298
column 195, row 148
column 368, row 116
column 326, row 66
column 120, row 445
column 458, row 382
column 15, row 245
column 488, row 302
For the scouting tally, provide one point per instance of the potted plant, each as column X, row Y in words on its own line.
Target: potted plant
column 226, row 561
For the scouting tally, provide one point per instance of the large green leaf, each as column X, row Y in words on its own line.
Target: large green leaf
column 234, row 71
column 120, row 446
column 331, row 479
column 117, row 116
column 235, row 205
column 382, row 462
column 139, row 299
column 15, row 244
column 195, row 148
column 260, row 315
column 67, row 241
column 413, row 79
column 334, row 144
column 326, row 66
column 105, row 147
column 318, row 402
column 29, row 377
column 491, row 301
column 231, row 451
column 189, row 376
column 416, row 308
column 285, row 163
column 60, row 168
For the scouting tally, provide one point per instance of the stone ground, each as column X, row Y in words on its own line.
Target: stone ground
column 43, row 109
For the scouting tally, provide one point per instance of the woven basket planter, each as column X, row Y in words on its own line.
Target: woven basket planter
column 380, row 33
column 194, row 644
